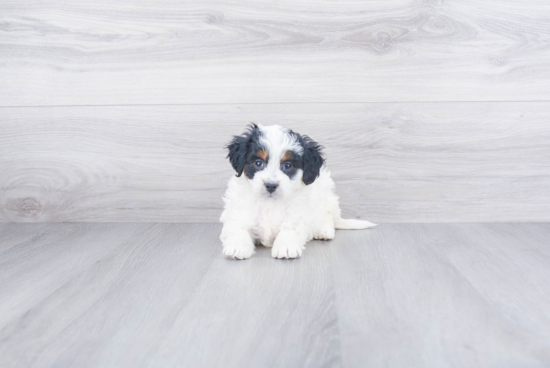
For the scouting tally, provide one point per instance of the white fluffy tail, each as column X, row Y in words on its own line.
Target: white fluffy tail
column 352, row 224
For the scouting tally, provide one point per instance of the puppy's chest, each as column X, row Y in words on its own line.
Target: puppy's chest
column 267, row 221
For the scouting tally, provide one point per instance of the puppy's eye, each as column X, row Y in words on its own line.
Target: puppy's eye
column 287, row 166
column 259, row 163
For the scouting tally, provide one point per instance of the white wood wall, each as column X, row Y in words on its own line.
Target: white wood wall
column 429, row 110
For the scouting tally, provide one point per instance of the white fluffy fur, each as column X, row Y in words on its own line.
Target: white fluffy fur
column 286, row 219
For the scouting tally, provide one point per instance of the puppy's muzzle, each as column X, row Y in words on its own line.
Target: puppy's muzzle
column 271, row 187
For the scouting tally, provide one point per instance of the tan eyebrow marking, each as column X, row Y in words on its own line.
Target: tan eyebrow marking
column 262, row 154
column 287, row 156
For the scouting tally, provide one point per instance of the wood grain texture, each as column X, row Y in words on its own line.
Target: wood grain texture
column 262, row 313
column 444, row 295
column 164, row 296
column 88, row 291
column 402, row 162
column 150, row 295
column 217, row 51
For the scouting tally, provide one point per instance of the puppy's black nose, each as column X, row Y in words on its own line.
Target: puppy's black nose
column 271, row 187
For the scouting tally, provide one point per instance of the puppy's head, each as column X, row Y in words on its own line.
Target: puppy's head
column 275, row 160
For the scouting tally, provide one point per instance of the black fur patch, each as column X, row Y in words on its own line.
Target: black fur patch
column 243, row 149
column 312, row 158
column 293, row 159
column 250, row 168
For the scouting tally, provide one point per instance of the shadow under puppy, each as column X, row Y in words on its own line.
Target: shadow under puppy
column 282, row 196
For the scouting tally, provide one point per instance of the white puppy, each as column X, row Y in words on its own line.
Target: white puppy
column 285, row 197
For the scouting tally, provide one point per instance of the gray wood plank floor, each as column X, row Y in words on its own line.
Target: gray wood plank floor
column 149, row 295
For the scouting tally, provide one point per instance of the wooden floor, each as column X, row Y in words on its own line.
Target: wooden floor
column 162, row 295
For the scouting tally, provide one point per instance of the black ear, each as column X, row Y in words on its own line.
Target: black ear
column 239, row 147
column 312, row 159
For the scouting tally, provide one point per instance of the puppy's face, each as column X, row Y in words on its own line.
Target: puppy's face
column 275, row 160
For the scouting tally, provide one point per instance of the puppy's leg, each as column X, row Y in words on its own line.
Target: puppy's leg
column 290, row 243
column 268, row 238
column 236, row 241
column 326, row 230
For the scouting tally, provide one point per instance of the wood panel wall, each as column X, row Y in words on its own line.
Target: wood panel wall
column 429, row 110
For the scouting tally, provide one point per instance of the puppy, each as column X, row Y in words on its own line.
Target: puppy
column 282, row 195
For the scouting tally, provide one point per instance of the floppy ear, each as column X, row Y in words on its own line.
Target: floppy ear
column 238, row 149
column 312, row 159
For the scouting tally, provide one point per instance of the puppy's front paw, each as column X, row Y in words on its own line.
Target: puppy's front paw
column 288, row 250
column 326, row 233
column 238, row 251
column 236, row 242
